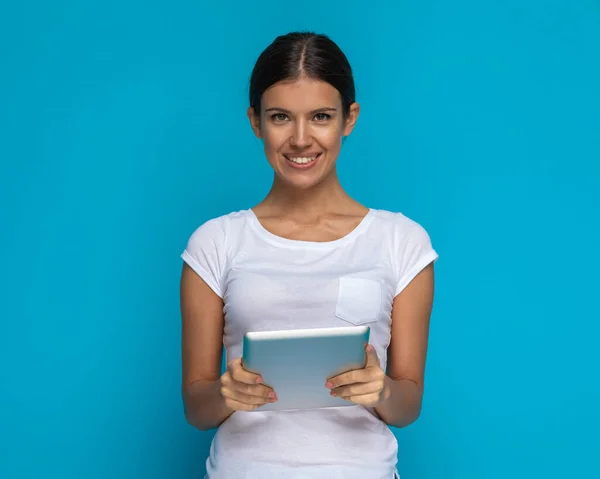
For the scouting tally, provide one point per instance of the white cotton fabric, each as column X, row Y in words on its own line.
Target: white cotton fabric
column 272, row 283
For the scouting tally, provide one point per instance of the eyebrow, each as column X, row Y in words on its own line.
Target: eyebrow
column 318, row 110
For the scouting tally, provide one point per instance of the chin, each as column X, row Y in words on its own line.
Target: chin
column 300, row 184
column 303, row 177
column 304, row 185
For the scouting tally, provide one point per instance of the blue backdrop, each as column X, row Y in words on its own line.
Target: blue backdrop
column 123, row 127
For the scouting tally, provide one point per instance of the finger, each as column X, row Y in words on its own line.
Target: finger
column 242, row 397
column 239, row 374
column 257, row 390
column 372, row 358
column 357, row 389
column 351, row 377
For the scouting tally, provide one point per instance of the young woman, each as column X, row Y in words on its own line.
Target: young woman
column 307, row 256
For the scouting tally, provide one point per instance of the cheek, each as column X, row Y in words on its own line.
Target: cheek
column 273, row 138
column 330, row 138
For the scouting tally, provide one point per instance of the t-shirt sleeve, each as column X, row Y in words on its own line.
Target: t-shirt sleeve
column 414, row 252
column 205, row 253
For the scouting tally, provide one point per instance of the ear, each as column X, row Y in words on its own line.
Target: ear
column 351, row 120
column 254, row 122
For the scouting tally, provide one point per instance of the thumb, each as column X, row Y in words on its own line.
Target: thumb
column 235, row 363
column 372, row 358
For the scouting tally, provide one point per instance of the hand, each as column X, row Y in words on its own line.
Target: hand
column 366, row 387
column 242, row 390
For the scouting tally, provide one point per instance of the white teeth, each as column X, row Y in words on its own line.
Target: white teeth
column 302, row 160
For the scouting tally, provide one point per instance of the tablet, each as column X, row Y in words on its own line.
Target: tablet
column 297, row 363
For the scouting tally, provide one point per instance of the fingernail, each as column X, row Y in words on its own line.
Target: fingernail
column 334, row 394
column 259, row 380
column 271, row 394
column 369, row 348
column 329, row 384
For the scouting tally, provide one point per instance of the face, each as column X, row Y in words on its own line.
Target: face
column 302, row 125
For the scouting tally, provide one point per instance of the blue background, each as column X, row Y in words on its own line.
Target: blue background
column 123, row 127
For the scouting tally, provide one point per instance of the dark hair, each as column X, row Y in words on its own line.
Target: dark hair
column 299, row 54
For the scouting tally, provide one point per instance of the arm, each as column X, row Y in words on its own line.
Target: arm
column 202, row 349
column 401, row 400
column 396, row 396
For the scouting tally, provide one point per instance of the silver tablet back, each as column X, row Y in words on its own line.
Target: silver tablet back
column 297, row 363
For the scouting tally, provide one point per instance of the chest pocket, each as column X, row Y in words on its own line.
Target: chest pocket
column 358, row 300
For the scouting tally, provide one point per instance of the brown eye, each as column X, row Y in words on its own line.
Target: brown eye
column 279, row 117
column 322, row 117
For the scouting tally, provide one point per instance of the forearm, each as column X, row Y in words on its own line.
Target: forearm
column 401, row 405
column 204, row 405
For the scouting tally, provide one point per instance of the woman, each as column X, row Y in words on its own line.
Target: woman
column 307, row 256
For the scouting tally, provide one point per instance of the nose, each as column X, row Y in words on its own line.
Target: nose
column 301, row 134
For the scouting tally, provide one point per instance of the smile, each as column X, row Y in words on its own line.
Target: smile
column 303, row 160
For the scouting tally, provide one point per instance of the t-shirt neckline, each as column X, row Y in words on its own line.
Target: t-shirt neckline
column 291, row 243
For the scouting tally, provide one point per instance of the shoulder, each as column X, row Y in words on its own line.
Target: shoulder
column 411, row 247
column 400, row 226
column 218, row 228
column 207, row 249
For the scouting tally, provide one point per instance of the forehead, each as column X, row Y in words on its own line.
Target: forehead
column 301, row 95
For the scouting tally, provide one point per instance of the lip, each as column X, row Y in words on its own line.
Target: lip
column 304, row 155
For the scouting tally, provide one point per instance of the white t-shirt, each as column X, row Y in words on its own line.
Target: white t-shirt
column 268, row 283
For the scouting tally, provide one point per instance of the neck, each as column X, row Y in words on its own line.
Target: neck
column 327, row 196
